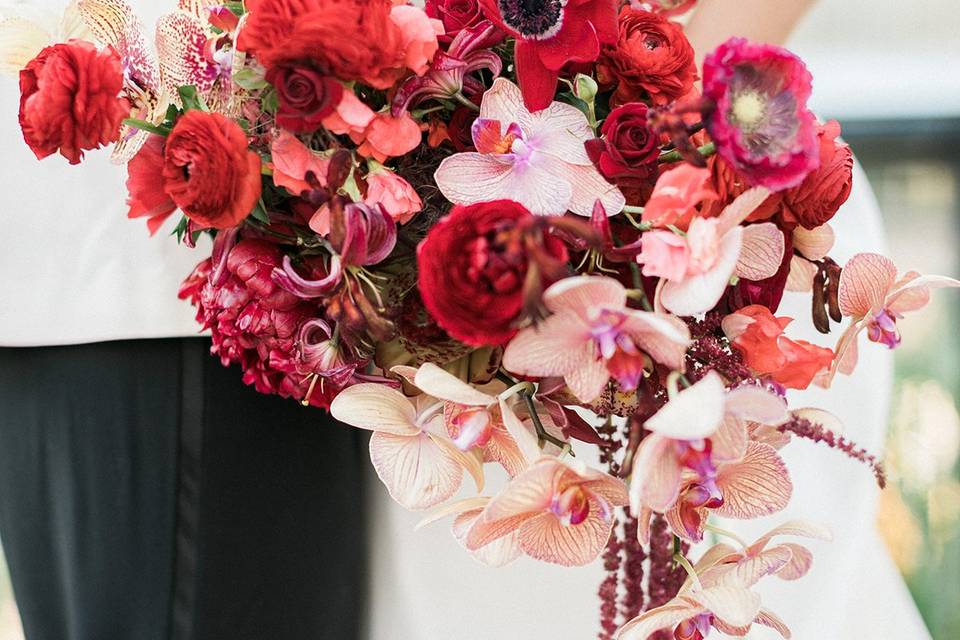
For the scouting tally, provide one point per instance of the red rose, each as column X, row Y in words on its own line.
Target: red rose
column 146, row 195
column 627, row 154
column 652, row 59
column 208, row 170
column 818, row 198
column 306, row 97
column 349, row 39
column 456, row 15
column 475, row 269
column 70, row 100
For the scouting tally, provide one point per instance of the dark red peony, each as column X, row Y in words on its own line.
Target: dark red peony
column 348, row 39
column 208, row 170
column 456, row 15
column 146, row 196
column 306, row 97
column 650, row 60
column 628, row 151
column 818, row 198
column 479, row 265
column 70, row 100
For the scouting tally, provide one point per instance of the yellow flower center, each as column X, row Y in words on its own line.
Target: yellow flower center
column 748, row 109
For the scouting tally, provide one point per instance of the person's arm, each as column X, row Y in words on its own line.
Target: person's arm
column 771, row 21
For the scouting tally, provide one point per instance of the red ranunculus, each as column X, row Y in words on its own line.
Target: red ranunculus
column 628, row 151
column 456, row 15
column 818, row 198
column 474, row 269
column 349, row 39
column 70, row 100
column 208, row 170
column 306, row 97
column 146, row 196
column 652, row 59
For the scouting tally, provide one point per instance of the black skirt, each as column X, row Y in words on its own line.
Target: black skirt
column 147, row 494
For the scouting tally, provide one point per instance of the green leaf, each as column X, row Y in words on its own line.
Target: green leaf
column 143, row 125
column 269, row 101
column 180, row 229
column 191, row 98
column 571, row 99
column 259, row 213
column 236, row 7
column 250, row 79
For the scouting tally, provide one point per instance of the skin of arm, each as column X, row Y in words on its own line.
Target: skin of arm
column 770, row 21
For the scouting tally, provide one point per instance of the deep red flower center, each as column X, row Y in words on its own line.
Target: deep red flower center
column 497, row 262
column 534, row 19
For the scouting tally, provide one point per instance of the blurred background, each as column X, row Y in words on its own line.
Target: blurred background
column 889, row 71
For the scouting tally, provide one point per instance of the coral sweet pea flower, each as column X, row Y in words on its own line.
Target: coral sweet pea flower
column 536, row 159
column 561, row 512
column 872, row 295
column 593, row 336
column 416, row 460
column 700, row 454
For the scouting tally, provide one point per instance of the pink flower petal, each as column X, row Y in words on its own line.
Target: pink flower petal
column 769, row 619
column 800, row 562
column 756, row 405
column 471, row 461
column 375, row 407
column 666, row 617
column 655, row 480
column 498, row 553
column 664, row 337
column 525, row 441
column 587, row 186
column 546, row 538
column 442, row 384
column 504, row 102
column 529, row 492
column 700, row 293
column 814, row 244
column 735, row 606
column 762, row 251
column 915, row 293
column 417, row 473
column 738, row 210
column 693, row 413
column 748, row 571
column 588, row 380
column 802, row 273
column 560, row 131
column 758, row 485
column 800, row 528
column 864, row 283
column 585, row 294
column 484, row 532
column 503, row 448
column 555, row 347
column 729, row 440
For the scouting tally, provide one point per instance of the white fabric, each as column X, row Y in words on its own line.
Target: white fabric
column 73, row 268
column 424, row 586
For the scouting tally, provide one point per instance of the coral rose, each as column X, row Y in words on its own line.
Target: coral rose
column 389, row 136
column 475, row 266
column 146, row 195
column 627, row 154
column 652, row 59
column 349, row 39
column 306, row 97
column 208, row 170
column 70, row 100
column 418, row 36
column 393, row 193
column 820, row 195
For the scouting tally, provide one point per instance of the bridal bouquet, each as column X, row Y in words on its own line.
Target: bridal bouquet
column 495, row 232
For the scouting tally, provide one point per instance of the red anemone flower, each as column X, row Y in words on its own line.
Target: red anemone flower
column 549, row 34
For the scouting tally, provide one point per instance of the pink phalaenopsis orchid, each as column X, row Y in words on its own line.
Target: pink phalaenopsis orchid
column 696, row 269
column 718, row 595
column 560, row 512
column 593, row 336
column 874, row 298
column 449, row 73
column 537, row 159
column 699, row 455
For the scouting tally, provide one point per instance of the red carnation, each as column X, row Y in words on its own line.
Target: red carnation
column 70, row 100
column 306, row 97
column 349, row 39
column 475, row 269
column 146, row 196
column 651, row 59
column 627, row 154
column 208, row 170
column 818, row 198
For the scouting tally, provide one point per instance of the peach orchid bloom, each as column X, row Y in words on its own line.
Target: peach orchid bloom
column 696, row 268
column 699, row 456
column 809, row 245
column 413, row 456
column 717, row 595
column 871, row 294
column 561, row 512
column 593, row 336
column 498, row 553
column 537, row 159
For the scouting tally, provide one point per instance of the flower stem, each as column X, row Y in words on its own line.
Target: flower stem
column 143, row 125
column 725, row 533
column 681, row 560
column 542, row 435
column 638, row 286
column 462, row 99
column 674, row 156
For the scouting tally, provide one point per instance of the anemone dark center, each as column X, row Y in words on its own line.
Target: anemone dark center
column 533, row 18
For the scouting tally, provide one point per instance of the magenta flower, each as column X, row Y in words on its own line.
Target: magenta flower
column 760, row 121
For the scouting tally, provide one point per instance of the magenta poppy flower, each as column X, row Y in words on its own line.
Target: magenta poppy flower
column 760, row 121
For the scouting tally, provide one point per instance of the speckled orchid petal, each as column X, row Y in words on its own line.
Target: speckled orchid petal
column 864, row 283
column 442, row 384
column 417, row 472
column 377, row 408
column 21, row 39
column 667, row 617
column 547, row 538
column 756, row 486
column 694, row 413
column 655, row 480
column 699, row 293
column 762, row 251
column 181, row 42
